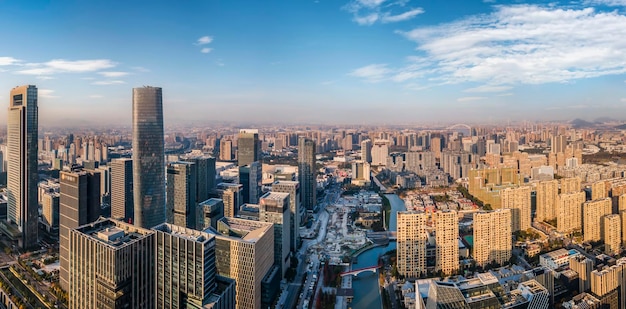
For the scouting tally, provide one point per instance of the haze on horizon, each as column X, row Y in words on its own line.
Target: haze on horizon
column 317, row 61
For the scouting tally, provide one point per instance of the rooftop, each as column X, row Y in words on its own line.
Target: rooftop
column 183, row 232
column 113, row 233
column 276, row 196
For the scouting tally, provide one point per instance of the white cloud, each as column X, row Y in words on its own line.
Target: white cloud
column 140, row 69
column 8, row 61
column 368, row 12
column 113, row 74
column 96, row 96
column 66, row 66
column 606, row 2
column 488, row 88
column 204, row 40
column 44, row 77
column 46, row 93
column 206, row 50
column 108, row 82
column 469, row 99
column 372, row 72
column 521, row 44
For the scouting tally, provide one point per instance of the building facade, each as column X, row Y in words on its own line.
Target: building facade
column 122, row 206
column 293, row 188
column 181, row 203
column 492, row 237
column 307, row 173
column 411, row 243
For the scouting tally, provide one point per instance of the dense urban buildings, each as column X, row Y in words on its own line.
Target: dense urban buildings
column 22, row 176
column 148, row 157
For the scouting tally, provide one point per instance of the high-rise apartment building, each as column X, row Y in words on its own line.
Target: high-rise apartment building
column 293, row 188
column 274, row 208
column 122, row 206
column 307, row 173
column 570, row 185
column 79, row 204
column 583, row 266
column 22, row 177
column 598, row 190
column 622, row 215
column 593, row 211
column 380, row 152
column 360, row 173
column 411, row 247
column 226, row 150
column 446, row 241
column 518, row 200
column 612, row 226
column 182, row 209
column 248, row 149
column 148, row 157
column 436, row 146
column 569, row 212
column 243, row 253
column 547, row 200
column 492, row 237
column 366, row 151
column 230, row 194
column 111, row 265
column 50, row 210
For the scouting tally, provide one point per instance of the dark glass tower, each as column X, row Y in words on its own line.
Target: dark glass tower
column 22, row 175
column 148, row 157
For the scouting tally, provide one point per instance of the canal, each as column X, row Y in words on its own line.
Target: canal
column 365, row 285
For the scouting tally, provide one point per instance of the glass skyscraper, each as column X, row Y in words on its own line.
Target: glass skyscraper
column 148, row 157
column 22, row 177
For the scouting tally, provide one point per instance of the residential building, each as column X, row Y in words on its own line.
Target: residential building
column 411, row 243
column 492, row 237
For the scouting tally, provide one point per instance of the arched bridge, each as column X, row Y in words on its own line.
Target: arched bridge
column 461, row 126
column 360, row 270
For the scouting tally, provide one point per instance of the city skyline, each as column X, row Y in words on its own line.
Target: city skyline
column 379, row 61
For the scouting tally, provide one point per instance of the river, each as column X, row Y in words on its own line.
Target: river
column 365, row 285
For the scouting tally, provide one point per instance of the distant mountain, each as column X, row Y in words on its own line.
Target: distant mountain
column 579, row 123
column 605, row 120
column 621, row 127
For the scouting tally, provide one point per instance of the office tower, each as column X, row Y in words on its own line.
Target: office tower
column 213, row 210
column 79, row 204
column 593, row 211
column 583, row 266
column 536, row 295
column 446, row 241
column 274, row 208
column 569, row 214
column 518, row 200
column 435, row 146
column 251, row 177
column 492, row 237
column 181, row 207
column 248, row 149
column 412, row 239
column 230, row 194
column 243, row 253
column 105, row 183
column 366, row 150
column 190, row 281
column 22, row 177
column 122, row 206
column 50, row 210
column 293, row 188
column 612, row 226
column 111, row 265
column 205, row 176
column 570, row 185
column 360, row 173
column 598, row 190
column 380, row 152
column 148, row 157
column 307, row 173
column 547, row 199
column 226, row 150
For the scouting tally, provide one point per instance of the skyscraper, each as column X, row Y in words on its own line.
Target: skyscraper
column 22, row 177
column 79, row 204
column 380, row 152
column 492, row 237
column 293, row 188
column 243, row 252
column 182, row 209
column 569, row 213
column 366, row 150
column 248, row 149
column 612, row 234
column 230, row 194
column 412, row 239
column 518, row 200
column 593, row 211
column 148, row 157
column 122, row 206
column 111, row 266
column 307, row 172
column 446, row 241
column 226, row 150
column 274, row 208
column 250, row 177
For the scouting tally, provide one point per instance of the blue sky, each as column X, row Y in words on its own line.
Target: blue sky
column 319, row 61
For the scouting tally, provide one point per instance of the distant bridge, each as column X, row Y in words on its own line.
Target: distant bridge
column 461, row 125
column 355, row 272
column 391, row 235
